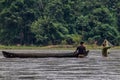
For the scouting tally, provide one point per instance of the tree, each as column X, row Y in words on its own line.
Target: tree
column 16, row 19
column 44, row 22
column 48, row 32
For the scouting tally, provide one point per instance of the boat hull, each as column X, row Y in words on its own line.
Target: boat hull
column 37, row 55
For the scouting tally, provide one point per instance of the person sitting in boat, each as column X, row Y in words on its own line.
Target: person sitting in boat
column 105, row 50
column 81, row 50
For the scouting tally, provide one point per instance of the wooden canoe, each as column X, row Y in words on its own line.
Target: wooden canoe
column 8, row 54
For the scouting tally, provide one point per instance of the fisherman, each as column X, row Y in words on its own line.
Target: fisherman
column 108, row 44
column 81, row 50
column 105, row 50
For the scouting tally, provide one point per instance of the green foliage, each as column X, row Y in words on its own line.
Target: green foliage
column 15, row 21
column 48, row 32
column 44, row 22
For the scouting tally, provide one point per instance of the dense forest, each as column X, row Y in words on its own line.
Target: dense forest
column 52, row 22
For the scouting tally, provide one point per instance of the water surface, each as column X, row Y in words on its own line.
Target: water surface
column 93, row 67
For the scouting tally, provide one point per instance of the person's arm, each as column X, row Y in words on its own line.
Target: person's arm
column 76, row 50
column 107, row 47
column 85, row 48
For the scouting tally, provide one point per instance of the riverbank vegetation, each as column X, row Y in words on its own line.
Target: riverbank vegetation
column 52, row 47
column 56, row 22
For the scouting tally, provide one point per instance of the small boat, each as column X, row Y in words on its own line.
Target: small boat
column 8, row 54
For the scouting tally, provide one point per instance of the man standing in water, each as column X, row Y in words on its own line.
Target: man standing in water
column 81, row 50
column 105, row 50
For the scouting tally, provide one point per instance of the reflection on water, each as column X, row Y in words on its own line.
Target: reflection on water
column 93, row 67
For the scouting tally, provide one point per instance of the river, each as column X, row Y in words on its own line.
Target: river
column 93, row 67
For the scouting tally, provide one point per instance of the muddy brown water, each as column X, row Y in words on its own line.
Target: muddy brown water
column 93, row 67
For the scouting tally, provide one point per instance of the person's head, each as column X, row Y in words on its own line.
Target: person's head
column 104, row 45
column 81, row 43
column 105, row 41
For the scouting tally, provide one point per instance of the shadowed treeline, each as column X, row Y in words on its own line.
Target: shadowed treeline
column 53, row 22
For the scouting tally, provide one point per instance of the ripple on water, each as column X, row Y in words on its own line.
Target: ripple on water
column 93, row 67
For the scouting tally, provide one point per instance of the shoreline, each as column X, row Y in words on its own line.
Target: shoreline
column 53, row 47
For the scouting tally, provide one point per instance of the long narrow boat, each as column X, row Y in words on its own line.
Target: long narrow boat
column 8, row 54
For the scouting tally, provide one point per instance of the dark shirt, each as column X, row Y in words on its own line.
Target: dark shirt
column 81, row 50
